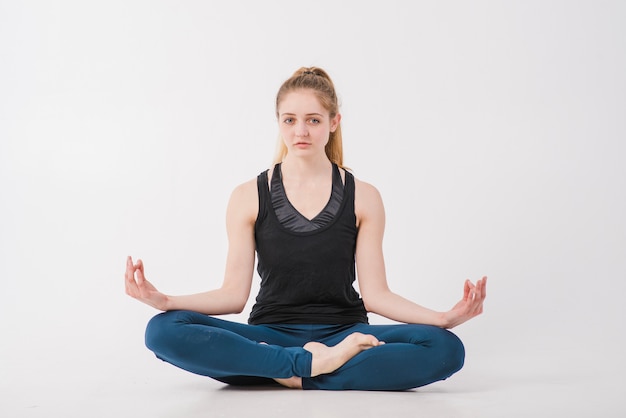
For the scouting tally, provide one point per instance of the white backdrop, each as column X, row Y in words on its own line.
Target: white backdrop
column 495, row 132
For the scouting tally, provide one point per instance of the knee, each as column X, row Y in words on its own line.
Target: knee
column 452, row 351
column 159, row 330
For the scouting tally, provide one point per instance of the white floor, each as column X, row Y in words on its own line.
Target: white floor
column 494, row 130
column 104, row 371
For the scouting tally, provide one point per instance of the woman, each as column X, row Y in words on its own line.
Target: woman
column 310, row 222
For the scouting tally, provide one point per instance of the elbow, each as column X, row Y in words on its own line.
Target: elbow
column 238, row 308
column 235, row 306
column 233, row 299
column 376, row 300
column 239, row 303
column 369, row 303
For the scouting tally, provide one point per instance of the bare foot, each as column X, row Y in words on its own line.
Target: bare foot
column 294, row 382
column 328, row 359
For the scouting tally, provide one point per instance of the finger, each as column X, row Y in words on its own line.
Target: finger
column 471, row 291
column 480, row 288
column 129, row 283
column 141, row 278
column 130, row 270
column 484, row 290
column 477, row 306
column 139, row 265
column 483, row 295
column 466, row 290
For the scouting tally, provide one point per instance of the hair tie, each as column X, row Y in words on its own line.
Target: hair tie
column 309, row 72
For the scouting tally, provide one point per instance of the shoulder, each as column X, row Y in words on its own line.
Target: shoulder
column 244, row 201
column 249, row 188
column 366, row 193
column 368, row 203
column 243, row 190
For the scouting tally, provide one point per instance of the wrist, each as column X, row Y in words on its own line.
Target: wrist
column 167, row 304
column 443, row 321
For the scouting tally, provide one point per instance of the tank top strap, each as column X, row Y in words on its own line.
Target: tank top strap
column 264, row 194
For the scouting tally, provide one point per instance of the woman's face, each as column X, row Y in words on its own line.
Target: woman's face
column 304, row 124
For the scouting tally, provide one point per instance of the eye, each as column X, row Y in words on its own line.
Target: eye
column 288, row 121
column 314, row 121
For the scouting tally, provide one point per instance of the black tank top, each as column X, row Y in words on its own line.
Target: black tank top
column 306, row 276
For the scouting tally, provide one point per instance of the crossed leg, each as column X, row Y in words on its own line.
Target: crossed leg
column 328, row 359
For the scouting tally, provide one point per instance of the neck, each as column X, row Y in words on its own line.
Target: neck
column 306, row 168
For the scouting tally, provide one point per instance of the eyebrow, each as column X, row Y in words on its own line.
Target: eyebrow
column 308, row 114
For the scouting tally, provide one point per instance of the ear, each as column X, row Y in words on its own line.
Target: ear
column 334, row 122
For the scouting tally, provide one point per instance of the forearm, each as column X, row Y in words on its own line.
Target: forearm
column 395, row 307
column 214, row 302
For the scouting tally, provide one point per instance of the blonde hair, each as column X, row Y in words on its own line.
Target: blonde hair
column 317, row 80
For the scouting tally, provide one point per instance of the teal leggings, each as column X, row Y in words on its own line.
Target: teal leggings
column 231, row 352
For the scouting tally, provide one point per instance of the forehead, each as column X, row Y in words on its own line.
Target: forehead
column 301, row 101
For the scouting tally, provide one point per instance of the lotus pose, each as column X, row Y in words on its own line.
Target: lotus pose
column 314, row 229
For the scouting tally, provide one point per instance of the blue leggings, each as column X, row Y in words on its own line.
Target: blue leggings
column 413, row 356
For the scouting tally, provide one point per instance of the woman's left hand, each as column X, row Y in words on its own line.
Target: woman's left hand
column 470, row 306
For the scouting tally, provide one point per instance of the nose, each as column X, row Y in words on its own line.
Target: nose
column 301, row 129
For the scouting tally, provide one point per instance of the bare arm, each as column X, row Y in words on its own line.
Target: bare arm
column 377, row 296
column 232, row 296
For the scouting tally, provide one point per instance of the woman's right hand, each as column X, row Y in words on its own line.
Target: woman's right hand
column 141, row 289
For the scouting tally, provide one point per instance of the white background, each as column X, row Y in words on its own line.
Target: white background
column 495, row 132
